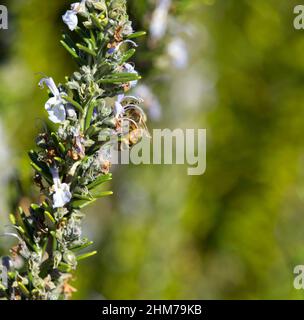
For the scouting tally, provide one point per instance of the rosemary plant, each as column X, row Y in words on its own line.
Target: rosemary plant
column 72, row 162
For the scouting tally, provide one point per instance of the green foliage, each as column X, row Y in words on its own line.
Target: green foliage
column 237, row 231
column 69, row 165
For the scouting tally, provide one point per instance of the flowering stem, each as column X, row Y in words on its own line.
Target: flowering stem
column 70, row 163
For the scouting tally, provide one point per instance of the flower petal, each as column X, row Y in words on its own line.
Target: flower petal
column 178, row 52
column 62, row 196
column 130, row 69
column 56, row 110
column 49, row 82
column 159, row 21
column 79, row 7
column 118, row 109
column 70, row 19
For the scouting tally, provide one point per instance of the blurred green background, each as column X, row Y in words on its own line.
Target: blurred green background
column 235, row 232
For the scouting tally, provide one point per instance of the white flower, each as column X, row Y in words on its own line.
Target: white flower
column 118, row 108
column 56, row 110
column 130, row 69
column 79, row 7
column 127, row 29
column 55, row 105
column 62, row 194
column 49, row 82
column 70, row 17
column 178, row 52
column 159, row 20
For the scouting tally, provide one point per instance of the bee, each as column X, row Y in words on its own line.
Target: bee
column 133, row 123
column 138, row 116
column 135, row 136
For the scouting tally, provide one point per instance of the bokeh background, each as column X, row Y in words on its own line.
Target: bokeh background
column 234, row 67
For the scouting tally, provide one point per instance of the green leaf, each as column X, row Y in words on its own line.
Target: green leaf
column 129, row 54
column 137, row 34
column 64, row 267
column 86, row 49
column 44, row 246
column 70, row 50
column 19, row 218
column 79, row 204
column 26, row 238
column 90, row 44
column 89, row 114
column 58, row 144
column 45, row 205
column 23, row 289
column 50, row 221
column 53, row 234
column 12, row 219
column 93, row 39
column 35, row 206
column 92, row 130
column 102, row 194
column 86, row 255
column 125, row 75
column 81, row 247
column 74, row 103
column 81, row 197
column 81, row 32
column 102, row 179
column 2, row 287
column 69, row 41
column 43, row 173
column 58, row 159
column 40, row 167
column 120, row 78
column 21, row 230
column 96, row 21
